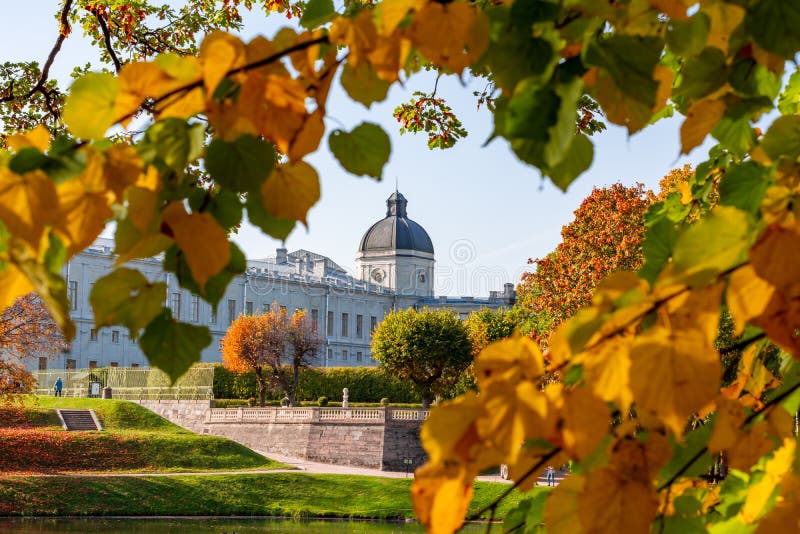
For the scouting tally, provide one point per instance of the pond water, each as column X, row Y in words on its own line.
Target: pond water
column 210, row 525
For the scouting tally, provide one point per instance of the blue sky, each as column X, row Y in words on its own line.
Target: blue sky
column 486, row 212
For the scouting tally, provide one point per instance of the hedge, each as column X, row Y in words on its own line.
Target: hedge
column 365, row 384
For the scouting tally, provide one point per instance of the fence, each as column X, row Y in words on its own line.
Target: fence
column 130, row 384
column 308, row 415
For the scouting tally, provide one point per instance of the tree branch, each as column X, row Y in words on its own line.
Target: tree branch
column 107, row 39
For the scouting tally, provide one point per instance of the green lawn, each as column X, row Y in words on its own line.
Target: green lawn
column 278, row 494
column 133, row 439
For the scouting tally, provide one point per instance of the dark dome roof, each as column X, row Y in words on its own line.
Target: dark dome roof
column 396, row 231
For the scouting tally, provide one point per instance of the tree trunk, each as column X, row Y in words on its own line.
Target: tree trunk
column 262, row 387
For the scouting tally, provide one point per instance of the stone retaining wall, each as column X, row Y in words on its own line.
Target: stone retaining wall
column 382, row 440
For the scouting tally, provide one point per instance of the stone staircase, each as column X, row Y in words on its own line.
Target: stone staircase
column 79, row 420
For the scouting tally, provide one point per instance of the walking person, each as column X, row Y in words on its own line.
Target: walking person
column 551, row 475
column 57, row 387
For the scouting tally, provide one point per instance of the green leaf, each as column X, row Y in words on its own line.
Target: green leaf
column 364, row 151
column 701, row 75
column 734, row 131
column 126, row 297
column 241, row 166
column 684, row 450
column 783, row 138
column 688, row 38
column 743, row 186
column 259, row 216
column 317, row 13
column 531, row 112
column 363, row 85
column 562, row 133
column 775, row 26
column 173, row 143
column 26, row 160
column 172, row 346
column 789, row 101
column 577, row 159
column 630, row 60
column 89, row 110
column 659, row 240
column 750, row 79
column 712, row 245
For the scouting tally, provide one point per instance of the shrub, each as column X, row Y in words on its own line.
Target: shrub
column 322, row 401
column 385, row 401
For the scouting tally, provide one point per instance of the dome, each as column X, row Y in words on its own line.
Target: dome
column 396, row 231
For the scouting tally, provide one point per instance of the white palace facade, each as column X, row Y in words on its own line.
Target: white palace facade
column 394, row 270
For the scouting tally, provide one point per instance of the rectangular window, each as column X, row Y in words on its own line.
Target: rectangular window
column 42, row 363
column 373, row 324
column 92, row 364
column 265, row 307
column 248, row 308
column 134, row 365
column 345, row 326
column 73, row 294
column 175, row 305
column 359, row 356
column 195, row 309
column 330, row 354
column 114, row 364
column 115, row 336
column 359, row 326
column 314, row 320
column 330, row 323
column 93, row 334
column 344, row 355
column 231, row 310
column 283, row 309
column 213, row 318
column 71, row 363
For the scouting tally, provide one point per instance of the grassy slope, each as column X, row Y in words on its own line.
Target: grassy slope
column 279, row 494
column 163, row 445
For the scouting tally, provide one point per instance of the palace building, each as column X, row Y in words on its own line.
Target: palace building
column 394, row 270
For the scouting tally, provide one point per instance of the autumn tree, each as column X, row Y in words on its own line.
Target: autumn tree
column 429, row 348
column 245, row 116
column 254, row 343
column 26, row 331
column 605, row 236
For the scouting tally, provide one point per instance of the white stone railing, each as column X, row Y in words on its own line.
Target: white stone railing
column 307, row 415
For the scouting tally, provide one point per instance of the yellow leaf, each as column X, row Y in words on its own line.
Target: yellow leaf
column 701, row 118
column 182, row 105
column 150, row 179
column 759, row 493
column 748, row 296
column 391, row 13
column 308, row 137
column 641, row 460
column 725, row 18
column 358, row 34
column 750, row 446
column 275, row 105
column 13, row 284
column 138, row 81
column 728, row 425
column 619, row 108
column 688, row 372
column 220, row 52
column 585, row 421
column 613, row 503
column 27, row 203
column 561, row 507
column 768, row 257
column 607, row 368
column 441, row 496
column 389, row 55
column 38, row 138
column 122, row 168
column 452, row 35
column 447, row 425
column 509, row 361
column 291, row 190
column 201, row 239
column 785, row 517
column 696, row 308
column 83, row 206
column 260, row 49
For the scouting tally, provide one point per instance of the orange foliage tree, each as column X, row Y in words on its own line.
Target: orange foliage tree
column 26, row 330
column 605, row 236
column 273, row 346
